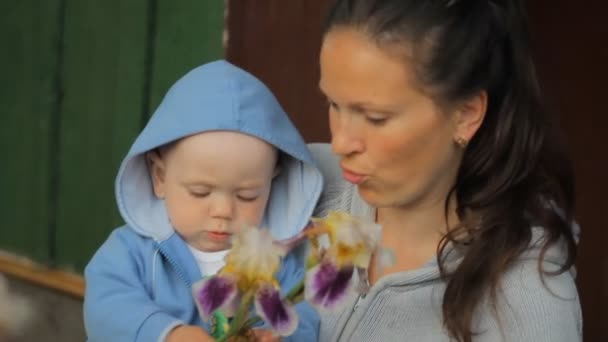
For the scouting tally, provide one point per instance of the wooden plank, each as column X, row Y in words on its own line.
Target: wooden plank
column 188, row 33
column 29, row 40
column 37, row 274
column 101, row 115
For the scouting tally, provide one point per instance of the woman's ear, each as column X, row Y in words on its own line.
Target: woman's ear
column 156, row 166
column 469, row 117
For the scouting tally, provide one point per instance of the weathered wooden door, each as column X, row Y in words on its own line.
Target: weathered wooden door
column 79, row 79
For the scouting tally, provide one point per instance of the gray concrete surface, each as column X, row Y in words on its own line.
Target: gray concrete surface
column 56, row 316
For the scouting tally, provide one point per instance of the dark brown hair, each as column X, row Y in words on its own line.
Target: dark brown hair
column 514, row 174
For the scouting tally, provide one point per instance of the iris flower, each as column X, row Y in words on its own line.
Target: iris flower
column 351, row 243
column 248, row 276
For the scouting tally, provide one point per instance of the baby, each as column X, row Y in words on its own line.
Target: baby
column 219, row 154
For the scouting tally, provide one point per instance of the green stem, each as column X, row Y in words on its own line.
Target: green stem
column 237, row 323
column 295, row 292
column 294, row 296
column 253, row 320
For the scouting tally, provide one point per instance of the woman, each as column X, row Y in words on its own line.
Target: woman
column 436, row 122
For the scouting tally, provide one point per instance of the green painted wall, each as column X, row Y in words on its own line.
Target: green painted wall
column 80, row 78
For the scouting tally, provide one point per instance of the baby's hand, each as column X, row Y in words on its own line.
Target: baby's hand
column 264, row 335
column 188, row 333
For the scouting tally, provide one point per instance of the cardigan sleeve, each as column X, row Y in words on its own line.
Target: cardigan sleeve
column 532, row 308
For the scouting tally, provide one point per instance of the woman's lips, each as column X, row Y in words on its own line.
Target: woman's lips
column 353, row 177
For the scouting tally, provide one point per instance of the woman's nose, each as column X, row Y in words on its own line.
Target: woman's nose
column 345, row 139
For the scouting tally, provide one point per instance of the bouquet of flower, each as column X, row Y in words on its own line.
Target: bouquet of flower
column 340, row 245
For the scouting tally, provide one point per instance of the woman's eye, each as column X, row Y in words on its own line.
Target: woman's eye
column 332, row 104
column 377, row 121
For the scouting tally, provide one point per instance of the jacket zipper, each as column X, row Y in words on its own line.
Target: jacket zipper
column 178, row 269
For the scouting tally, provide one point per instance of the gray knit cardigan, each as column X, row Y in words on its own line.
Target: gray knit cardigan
column 406, row 306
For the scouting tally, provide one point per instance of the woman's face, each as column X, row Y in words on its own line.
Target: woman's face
column 393, row 141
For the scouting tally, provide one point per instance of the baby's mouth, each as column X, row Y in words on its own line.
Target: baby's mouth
column 218, row 236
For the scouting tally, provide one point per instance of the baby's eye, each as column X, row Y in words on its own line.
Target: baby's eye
column 199, row 194
column 248, row 198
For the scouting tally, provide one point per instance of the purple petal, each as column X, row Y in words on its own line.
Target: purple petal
column 215, row 293
column 327, row 286
column 280, row 315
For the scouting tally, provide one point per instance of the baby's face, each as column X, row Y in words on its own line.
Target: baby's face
column 214, row 184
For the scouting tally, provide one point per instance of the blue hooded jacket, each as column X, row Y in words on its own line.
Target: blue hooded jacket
column 139, row 281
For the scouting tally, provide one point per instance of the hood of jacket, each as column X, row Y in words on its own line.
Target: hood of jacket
column 220, row 96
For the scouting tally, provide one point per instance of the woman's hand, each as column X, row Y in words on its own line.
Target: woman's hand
column 188, row 333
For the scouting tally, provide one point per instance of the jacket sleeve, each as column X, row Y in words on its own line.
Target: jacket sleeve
column 292, row 272
column 534, row 309
column 117, row 306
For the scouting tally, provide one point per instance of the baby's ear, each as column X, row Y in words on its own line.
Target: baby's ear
column 156, row 166
column 277, row 170
column 278, row 164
